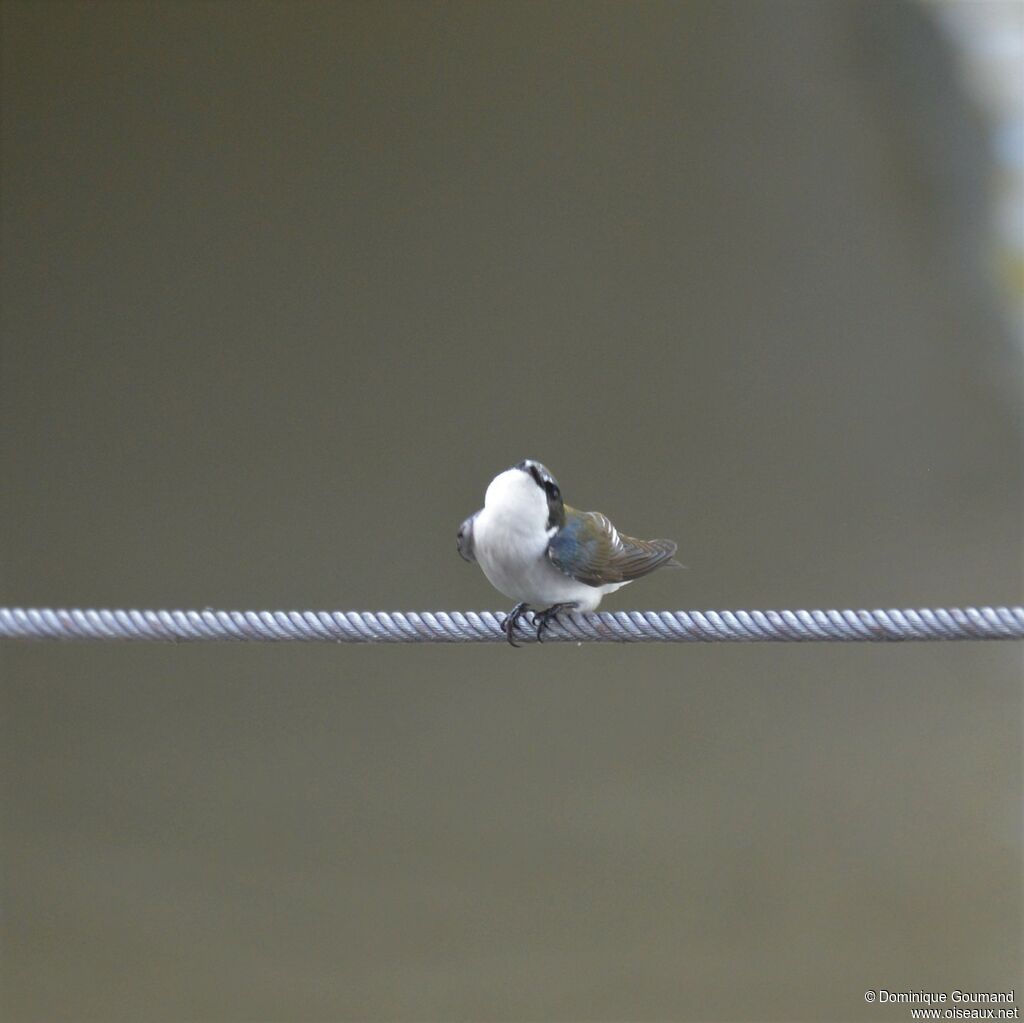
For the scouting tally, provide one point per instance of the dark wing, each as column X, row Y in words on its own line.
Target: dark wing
column 589, row 549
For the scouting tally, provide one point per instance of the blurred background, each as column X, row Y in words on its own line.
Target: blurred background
column 285, row 284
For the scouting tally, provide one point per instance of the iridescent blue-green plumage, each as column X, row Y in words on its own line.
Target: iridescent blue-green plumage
column 591, row 550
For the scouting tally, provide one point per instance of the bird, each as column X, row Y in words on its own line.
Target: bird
column 548, row 556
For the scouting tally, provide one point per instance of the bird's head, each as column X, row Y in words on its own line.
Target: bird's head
column 528, row 492
column 464, row 540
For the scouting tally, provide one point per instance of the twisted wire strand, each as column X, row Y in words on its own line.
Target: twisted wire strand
column 861, row 626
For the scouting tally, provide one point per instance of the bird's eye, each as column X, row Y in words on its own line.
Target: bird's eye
column 553, row 492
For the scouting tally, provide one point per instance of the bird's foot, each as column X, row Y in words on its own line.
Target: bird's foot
column 512, row 620
column 542, row 619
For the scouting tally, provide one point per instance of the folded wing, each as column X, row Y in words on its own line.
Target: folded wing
column 589, row 549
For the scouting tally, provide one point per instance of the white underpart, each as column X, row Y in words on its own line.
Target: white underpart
column 510, row 537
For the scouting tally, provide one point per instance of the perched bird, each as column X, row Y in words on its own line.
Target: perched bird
column 547, row 556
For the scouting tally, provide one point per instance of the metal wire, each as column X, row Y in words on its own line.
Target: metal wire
column 485, row 626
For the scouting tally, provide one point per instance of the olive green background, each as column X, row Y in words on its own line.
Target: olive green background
column 283, row 286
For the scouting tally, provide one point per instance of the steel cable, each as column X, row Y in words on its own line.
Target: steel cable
column 846, row 626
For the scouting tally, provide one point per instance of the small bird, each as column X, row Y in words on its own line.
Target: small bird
column 548, row 556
